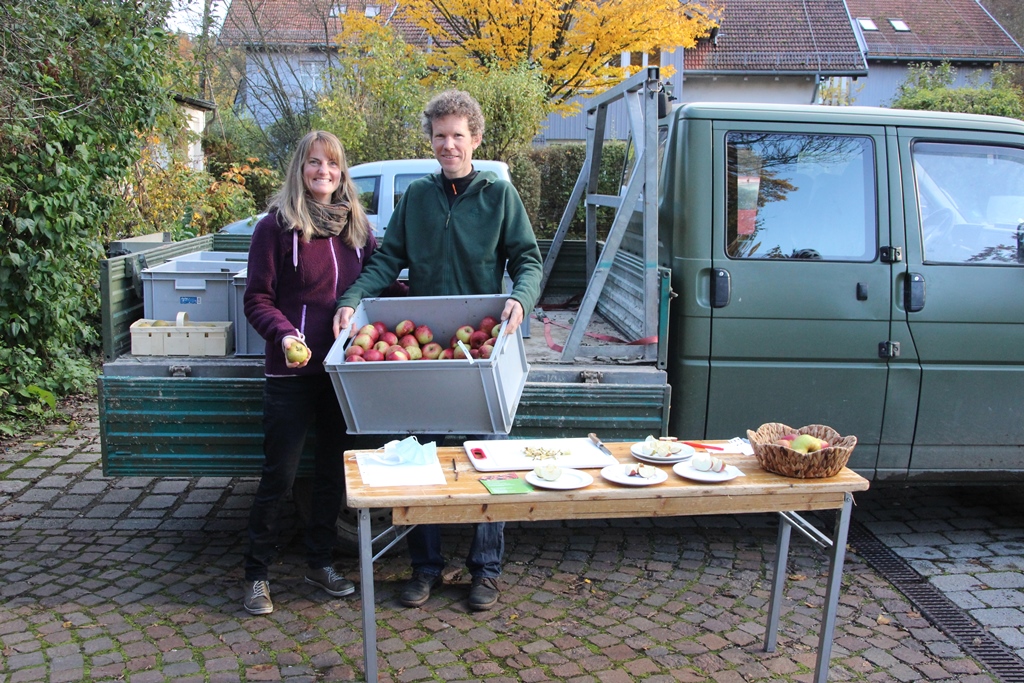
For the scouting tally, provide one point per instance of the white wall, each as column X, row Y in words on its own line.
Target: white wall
column 879, row 87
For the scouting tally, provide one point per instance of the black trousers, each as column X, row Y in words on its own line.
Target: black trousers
column 291, row 406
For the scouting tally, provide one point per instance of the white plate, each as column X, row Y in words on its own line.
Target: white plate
column 685, row 470
column 617, row 474
column 569, row 479
column 685, row 452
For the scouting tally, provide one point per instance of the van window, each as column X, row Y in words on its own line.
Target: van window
column 801, row 197
column 369, row 196
column 970, row 200
column 402, row 182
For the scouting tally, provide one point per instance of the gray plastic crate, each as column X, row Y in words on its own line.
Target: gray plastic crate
column 431, row 396
column 199, row 284
column 248, row 341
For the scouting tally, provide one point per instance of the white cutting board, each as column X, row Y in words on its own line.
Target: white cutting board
column 508, row 454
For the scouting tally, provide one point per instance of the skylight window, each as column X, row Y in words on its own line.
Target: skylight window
column 338, row 10
column 372, row 10
column 899, row 25
column 867, row 24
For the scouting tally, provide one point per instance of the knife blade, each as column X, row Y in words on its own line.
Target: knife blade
column 599, row 443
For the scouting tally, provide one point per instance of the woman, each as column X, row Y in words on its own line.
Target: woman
column 304, row 254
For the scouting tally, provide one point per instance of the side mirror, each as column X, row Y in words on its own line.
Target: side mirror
column 1020, row 242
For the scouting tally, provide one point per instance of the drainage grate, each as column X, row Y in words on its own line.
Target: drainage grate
column 937, row 608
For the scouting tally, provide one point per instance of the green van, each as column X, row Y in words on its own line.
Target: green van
column 855, row 267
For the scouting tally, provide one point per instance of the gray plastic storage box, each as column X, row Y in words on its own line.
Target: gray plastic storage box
column 431, row 396
column 248, row 341
column 199, row 284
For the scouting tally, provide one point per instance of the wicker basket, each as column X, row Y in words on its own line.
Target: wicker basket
column 827, row 462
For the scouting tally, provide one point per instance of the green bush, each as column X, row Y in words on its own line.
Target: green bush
column 78, row 80
column 930, row 88
column 559, row 166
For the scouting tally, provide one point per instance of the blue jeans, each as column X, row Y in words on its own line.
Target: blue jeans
column 485, row 554
column 291, row 406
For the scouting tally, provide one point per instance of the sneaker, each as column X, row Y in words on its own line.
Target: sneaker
column 417, row 591
column 257, row 598
column 483, row 593
column 331, row 581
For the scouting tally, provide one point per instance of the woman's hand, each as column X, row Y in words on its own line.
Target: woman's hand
column 292, row 347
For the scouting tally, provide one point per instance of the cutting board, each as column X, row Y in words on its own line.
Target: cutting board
column 508, row 454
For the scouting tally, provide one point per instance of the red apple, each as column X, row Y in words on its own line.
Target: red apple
column 477, row 339
column 458, row 353
column 405, row 327
column 432, row 350
column 464, row 333
column 352, row 359
column 396, row 353
column 488, row 323
column 380, row 327
column 363, row 340
column 415, row 353
column 486, row 350
column 408, row 340
column 370, row 331
column 373, row 355
column 354, row 350
column 390, row 337
column 447, row 354
column 424, row 335
column 382, row 346
column 475, row 353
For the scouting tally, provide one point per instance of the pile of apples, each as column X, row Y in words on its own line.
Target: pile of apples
column 409, row 341
column 802, row 443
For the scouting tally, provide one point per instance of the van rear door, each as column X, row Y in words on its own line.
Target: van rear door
column 800, row 298
column 964, row 203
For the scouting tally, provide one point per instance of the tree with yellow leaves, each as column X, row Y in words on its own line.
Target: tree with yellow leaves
column 576, row 44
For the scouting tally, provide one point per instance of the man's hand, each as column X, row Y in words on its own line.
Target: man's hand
column 342, row 319
column 513, row 313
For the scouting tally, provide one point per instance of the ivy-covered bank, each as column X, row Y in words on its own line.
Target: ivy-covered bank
column 78, row 82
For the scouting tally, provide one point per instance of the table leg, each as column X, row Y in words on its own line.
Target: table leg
column 771, row 634
column 835, row 585
column 366, row 588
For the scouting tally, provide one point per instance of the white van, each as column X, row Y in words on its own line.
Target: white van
column 382, row 183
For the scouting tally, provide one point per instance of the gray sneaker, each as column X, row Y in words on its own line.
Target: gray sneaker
column 257, row 598
column 331, row 581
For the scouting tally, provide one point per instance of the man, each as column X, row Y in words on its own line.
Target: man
column 456, row 231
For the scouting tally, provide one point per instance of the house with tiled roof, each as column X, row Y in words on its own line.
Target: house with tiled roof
column 287, row 45
column 897, row 33
column 777, row 51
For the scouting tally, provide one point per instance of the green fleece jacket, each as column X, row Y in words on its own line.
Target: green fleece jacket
column 457, row 251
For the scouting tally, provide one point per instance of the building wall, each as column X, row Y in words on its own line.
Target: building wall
column 297, row 73
column 761, row 89
column 879, row 87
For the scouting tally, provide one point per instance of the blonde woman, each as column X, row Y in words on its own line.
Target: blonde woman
column 304, row 254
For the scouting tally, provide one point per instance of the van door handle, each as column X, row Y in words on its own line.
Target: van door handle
column 721, row 287
column 914, row 292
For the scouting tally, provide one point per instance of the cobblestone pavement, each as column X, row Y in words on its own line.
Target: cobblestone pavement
column 967, row 541
column 139, row 580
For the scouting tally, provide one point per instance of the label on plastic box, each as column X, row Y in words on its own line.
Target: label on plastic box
column 186, row 300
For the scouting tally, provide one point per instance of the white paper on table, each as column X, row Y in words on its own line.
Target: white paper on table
column 735, row 445
column 376, row 474
column 403, row 463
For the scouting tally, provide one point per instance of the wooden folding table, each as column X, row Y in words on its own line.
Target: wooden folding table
column 463, row 499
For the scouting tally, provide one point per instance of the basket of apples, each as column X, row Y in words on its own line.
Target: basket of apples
column 811, row 452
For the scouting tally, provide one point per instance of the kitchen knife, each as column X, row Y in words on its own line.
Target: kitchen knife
column 598, row 443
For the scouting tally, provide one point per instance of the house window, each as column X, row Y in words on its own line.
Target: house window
column 899, row 25
column 642, row 59
column 808, row 197
column 310, row 72
column 867, row 24
column 338, row 10
column 372, row 10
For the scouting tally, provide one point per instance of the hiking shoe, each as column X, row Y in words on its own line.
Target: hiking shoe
column 417, row 591
column 331, row 581
column 257, row 598
column 483, row 593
